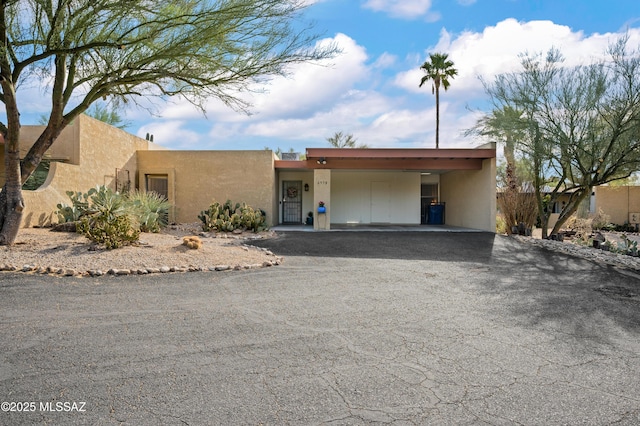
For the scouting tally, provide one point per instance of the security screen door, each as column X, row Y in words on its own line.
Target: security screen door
column 292, row 201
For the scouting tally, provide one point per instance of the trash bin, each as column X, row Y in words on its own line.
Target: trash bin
column 436, row 214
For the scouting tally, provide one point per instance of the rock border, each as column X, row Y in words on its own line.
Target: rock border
column 70, row 272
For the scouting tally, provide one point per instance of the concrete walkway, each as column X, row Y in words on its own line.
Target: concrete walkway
column 375, row 228
column 355, row 328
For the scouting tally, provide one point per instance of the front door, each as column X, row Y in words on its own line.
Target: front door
column 292, row 201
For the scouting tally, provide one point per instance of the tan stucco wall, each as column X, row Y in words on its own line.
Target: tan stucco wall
column 470, row 197
column 64, row 148
column 95, row 150
column 618, row 202
column 196, row 178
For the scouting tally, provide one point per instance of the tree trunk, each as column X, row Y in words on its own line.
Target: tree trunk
column 569, row 210
column 11, row 201
column 437, row 116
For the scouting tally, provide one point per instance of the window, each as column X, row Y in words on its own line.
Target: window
column 158, row 184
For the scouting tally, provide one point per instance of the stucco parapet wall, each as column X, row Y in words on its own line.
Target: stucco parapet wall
column 391, row 159
column 403, row 153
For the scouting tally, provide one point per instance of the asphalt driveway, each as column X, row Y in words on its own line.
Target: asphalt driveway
column 354, row 328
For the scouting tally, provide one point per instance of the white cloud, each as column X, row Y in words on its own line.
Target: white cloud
column 488, row 53
column 407, row 9
column 385, row 60
column 312, row 86
column 169, row 133
column 309, row 87
column 351, row 114
column 496, row 50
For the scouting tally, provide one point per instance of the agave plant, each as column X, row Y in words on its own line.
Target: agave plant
column 151, row 208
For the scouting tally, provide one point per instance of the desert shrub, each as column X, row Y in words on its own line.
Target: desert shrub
column 625, row 227
column 109, row 220
column 581, row 227
column 501, row 225
column 151, row 210
column 228, row 217
column 627, row 246
column 601, row 220
column 517, row 207
column 114, row 219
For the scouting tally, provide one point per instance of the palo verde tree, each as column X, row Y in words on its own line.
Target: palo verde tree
column 117, row 50
column 99, row 111
column 581, row 124
column 439, row 69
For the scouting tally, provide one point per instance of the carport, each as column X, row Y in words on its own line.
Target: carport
column 388, row 187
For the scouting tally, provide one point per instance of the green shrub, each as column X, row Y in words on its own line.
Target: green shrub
column 115, row 219
column 501, row 225
column 109, row 220
column 228, row 217
column 151, row 209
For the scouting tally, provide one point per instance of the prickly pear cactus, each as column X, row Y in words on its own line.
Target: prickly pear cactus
column 228, row 217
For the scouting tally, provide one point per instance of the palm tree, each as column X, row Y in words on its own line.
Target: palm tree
column 439, row 69
column 504, row 125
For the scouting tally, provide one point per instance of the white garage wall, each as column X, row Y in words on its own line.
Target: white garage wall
column 351, row 196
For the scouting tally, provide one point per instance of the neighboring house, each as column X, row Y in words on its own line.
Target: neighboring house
column 358, row 186
column 621, row 203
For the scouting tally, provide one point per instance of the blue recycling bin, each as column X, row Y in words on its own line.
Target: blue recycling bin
column 436, row 214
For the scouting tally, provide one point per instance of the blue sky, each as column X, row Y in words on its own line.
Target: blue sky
column 371, row 89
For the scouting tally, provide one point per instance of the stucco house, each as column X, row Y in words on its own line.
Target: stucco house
column 621, row 203
column 357, row 186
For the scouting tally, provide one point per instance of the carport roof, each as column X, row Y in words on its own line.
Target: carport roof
column 418, row 159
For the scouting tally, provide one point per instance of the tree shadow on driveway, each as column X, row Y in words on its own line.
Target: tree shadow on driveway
column 582, row 298
column 535, row 285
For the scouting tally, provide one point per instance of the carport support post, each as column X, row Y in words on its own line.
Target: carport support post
column 322, row 192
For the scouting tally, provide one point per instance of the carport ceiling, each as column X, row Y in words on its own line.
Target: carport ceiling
column 391, row 159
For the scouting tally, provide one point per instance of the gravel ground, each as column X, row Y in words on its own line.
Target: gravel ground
column 45, row 251
column 574, row 248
